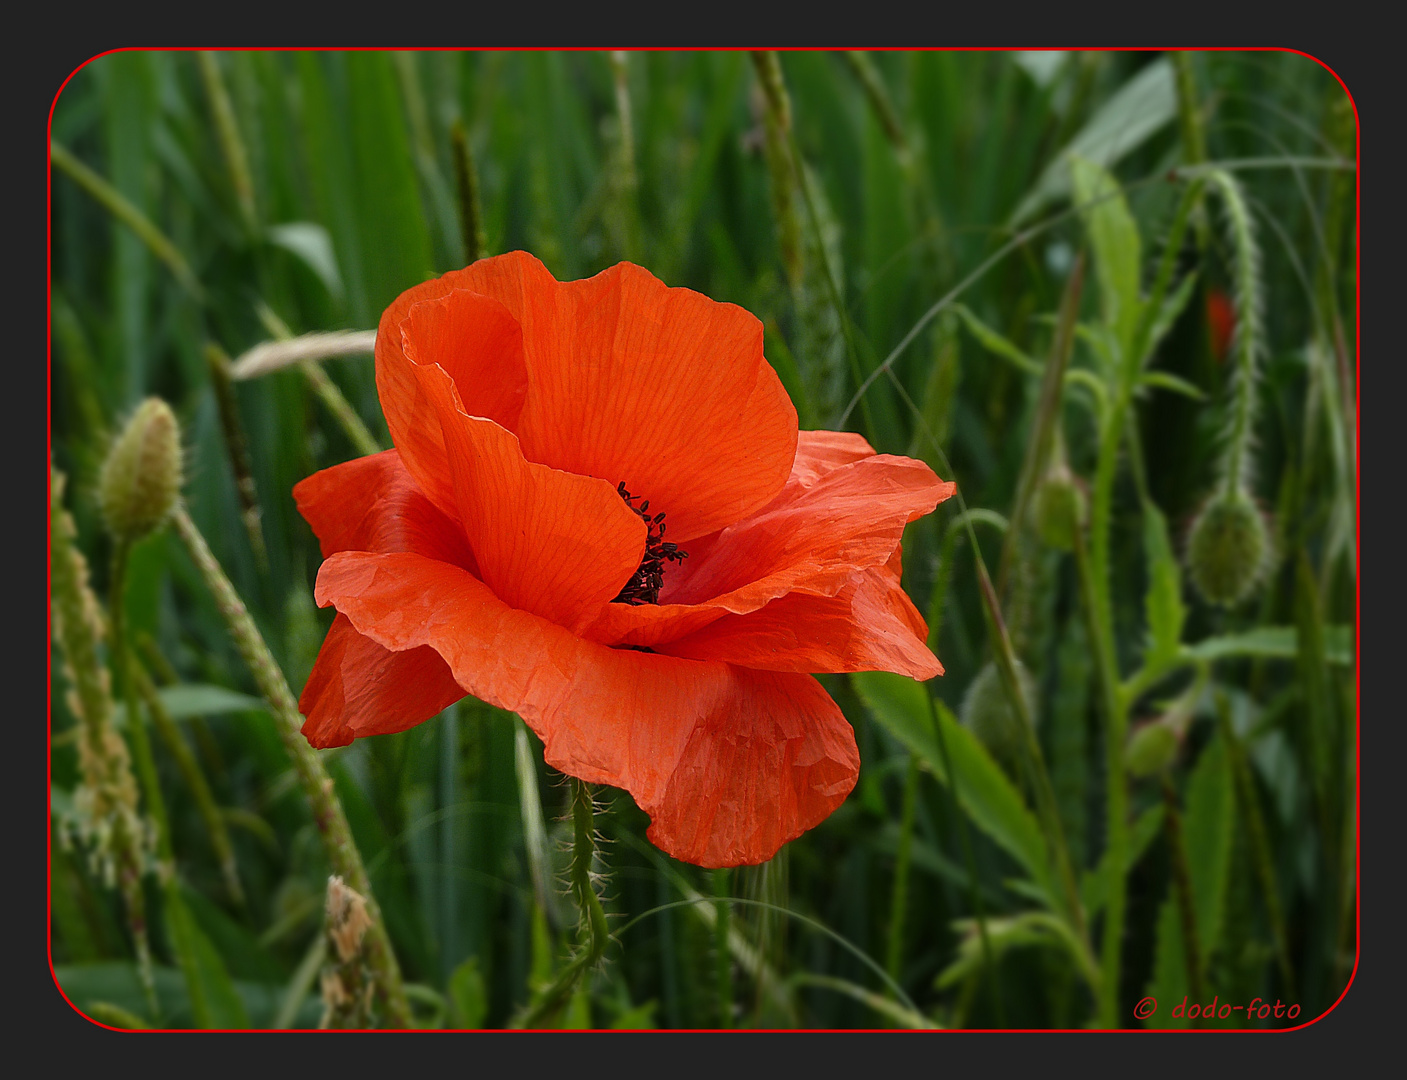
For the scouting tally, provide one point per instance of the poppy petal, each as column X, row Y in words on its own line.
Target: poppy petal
column 372, row 504
column 476, row 339
column 663, row 390
column 358, row 687
column 763, row 756
column 553, row 543
column 821, row 530
column 870, row 625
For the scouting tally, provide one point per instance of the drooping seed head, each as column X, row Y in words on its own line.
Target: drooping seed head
column 1228, row 549
column 1059, row 508
column 987, row 712
column 1150, row 749
column 141, row 478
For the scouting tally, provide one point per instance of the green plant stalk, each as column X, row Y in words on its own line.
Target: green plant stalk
column 1189, row 117
column 151, row 788
column 466, row 179
column 1047, row 418
column 1182, row 888
column 592, row 935
column 1116, row 795
column 119, row 207
column 723, row 961
column 975, row 893
column 237, row 447
column 322, row 385
column 78, row 626
column 127, row 693
column 194, row 777
column 776, row 123
column 231, row 145
column 1260, row 844
column 898, row 905
column 860, row 64
column 789, row 176
column 340, row 408
column 331, row 820
column 1114, row 418
column 1047, row 810
column 625, row 179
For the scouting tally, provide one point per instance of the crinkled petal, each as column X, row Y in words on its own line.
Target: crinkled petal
column 474, row 338
column 372, row 504
column 841, row 512
column 553, row 543
column 662, row 389
column 870, row 625
column 729, row 763
column 359, row 687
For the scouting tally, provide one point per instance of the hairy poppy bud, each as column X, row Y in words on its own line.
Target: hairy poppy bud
column 141, row 477
column 987, row 712
column 1228, row 549
column 1059, row 508
column 1150, row 749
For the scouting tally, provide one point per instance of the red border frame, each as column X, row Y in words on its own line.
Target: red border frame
column 1357, row 615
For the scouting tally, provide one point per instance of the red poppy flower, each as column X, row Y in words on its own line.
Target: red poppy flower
column 1221, row 322
column 512, row 546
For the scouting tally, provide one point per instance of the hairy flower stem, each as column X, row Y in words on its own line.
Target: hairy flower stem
column 592, row 934
column 342, row 854
column 1092, row 563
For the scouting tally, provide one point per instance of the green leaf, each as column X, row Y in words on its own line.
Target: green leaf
column 1173, row 305
column 1207, row 826
column 994, row 342
column 1165, row 380
column 1142, row 106
column 1272, row 643
column 639, row 1018
column 311, row 243
column 1094, row 881
column 1118, row 249
column 1163, row 600
column 214, row 1001
column 185, row 700
column 901, row 705
column 468, row 997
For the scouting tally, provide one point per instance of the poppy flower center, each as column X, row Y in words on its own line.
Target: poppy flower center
column 645, row 584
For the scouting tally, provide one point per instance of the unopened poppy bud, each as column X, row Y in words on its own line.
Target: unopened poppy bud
column 141, row 477
column 988, row 714
column 1059, row 508
column 1228, row 549
column 1150, row 749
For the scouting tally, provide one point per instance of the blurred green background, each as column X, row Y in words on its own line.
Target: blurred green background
column 908, row 221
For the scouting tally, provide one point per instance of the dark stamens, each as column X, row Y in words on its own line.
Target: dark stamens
column 645, row 584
